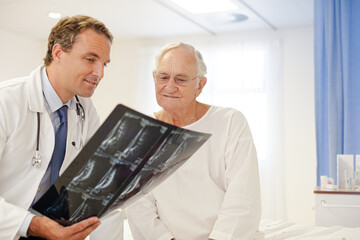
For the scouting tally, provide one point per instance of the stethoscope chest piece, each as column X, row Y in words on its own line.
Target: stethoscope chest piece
column 36, row 160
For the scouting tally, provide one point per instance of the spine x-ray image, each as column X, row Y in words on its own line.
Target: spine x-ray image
column 129, row 154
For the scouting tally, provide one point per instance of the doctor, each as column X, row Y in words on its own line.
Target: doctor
column 78, row 51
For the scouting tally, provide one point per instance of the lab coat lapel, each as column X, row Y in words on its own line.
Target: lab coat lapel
column 35, row 96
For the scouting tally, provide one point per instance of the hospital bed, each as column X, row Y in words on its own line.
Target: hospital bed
column 281, row 230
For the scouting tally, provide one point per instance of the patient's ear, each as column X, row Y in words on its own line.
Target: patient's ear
column 201, row 85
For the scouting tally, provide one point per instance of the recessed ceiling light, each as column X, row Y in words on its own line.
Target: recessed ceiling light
column 54, row 15
column 206, row 6
column 225, row 18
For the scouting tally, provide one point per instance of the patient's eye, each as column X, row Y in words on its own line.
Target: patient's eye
column 181, row 80
column 162, row 78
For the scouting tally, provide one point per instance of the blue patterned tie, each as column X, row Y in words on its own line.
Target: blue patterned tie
column 60, row 145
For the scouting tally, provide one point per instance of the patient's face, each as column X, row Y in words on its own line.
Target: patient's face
column 178, row 62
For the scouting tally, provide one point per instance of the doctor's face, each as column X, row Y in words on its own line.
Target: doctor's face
column 82, row 68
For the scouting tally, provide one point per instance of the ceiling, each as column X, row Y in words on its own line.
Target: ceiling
column 152, row 18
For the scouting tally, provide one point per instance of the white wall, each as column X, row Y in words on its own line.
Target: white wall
column 299, row 120
column 20, row 55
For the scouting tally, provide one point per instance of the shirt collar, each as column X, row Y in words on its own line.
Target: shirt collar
column 51, row 96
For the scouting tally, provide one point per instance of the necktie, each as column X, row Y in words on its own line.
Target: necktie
column 60, row 145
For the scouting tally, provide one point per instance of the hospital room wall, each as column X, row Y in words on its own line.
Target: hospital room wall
column 299, row 125
column 21, row 54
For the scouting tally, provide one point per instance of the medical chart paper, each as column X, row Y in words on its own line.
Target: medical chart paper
column 128, row 156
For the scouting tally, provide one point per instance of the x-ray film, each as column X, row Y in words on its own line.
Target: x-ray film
column 129, row 155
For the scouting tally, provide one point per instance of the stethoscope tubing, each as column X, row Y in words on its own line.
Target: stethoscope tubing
column 38, row 132
column 36, row 160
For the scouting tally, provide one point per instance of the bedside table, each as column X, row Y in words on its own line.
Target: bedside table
column 337, row 207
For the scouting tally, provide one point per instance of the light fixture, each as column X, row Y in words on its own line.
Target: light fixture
column 54, row 15
column 226, row 18
column 206, row 6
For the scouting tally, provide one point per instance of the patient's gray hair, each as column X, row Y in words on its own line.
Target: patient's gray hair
column 201, row 67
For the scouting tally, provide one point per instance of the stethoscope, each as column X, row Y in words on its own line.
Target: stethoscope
column 36, row 160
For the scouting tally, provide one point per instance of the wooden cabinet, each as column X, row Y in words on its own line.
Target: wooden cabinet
column 337, row 207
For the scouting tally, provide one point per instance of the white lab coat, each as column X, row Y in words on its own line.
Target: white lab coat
column 20, row 100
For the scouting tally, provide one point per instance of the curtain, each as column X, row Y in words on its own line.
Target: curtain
column 337, row 82
column 246, row 75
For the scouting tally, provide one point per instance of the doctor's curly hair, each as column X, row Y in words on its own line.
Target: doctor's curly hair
column 67, row 29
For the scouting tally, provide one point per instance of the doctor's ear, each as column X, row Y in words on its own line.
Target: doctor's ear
column 57, row 51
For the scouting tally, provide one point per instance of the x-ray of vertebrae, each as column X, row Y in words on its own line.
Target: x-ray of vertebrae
column 116, row 158
column 134, row 156
column 172, row 152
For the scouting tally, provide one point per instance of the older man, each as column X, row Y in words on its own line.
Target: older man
column 216, row 193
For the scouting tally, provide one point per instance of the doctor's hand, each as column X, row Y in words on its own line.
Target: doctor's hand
column 46, row 228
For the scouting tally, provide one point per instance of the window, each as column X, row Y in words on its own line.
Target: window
column 236, row 78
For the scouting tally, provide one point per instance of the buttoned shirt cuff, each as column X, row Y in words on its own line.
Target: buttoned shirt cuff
column 25, row 225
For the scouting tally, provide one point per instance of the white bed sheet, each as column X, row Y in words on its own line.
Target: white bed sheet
column 280, row 230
